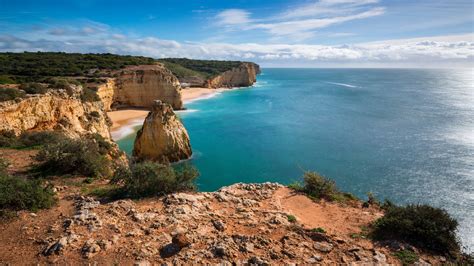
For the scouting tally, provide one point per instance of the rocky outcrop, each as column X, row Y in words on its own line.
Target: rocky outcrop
column 243, row 224
column 163, row 137
column 56, row 110
column 242, row 76
column 140, row 86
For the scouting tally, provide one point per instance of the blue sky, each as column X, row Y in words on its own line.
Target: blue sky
column 395, row 33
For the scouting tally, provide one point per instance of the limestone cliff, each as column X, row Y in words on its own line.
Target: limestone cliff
column 140, row 86
column 106, row 92
column 242, row 76
column 55, row 110
column 163, row 137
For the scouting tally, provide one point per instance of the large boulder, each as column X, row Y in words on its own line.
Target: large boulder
column 163, row 137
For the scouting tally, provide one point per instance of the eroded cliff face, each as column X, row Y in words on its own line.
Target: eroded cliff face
column 242, row 76
column 140, row 86
column 106, row 92
column 163, row 137
column 55, row 110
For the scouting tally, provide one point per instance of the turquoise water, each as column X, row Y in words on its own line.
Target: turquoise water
column 407, row 135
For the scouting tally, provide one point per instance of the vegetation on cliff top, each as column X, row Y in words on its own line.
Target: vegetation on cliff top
column 17, row 193
column 147, row 179
column 38, row 66
column 422, row 226
column 86, row 156
column 183, row 67
column 30, row 66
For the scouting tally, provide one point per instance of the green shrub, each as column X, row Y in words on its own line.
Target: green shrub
column 34, row 88
column 4, row 79
column 38, row 138
column 153, row 179
column 406, row 257
column 28, row 139
column 3, row 166
column 420, row 225
column 317, row 186
column 8, row 94
column 319, row 230
column 73, row 156
column 58, row 83
column 8, row 139
column 23, row 194
column 291, row 218
column 89, row 95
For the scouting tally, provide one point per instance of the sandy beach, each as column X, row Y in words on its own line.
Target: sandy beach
column 125, row 120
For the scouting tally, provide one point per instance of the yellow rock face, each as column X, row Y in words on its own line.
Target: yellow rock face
column 106, row 93
column 243, row 76
column 163, row 137
column 140, row 86
column 54, row 111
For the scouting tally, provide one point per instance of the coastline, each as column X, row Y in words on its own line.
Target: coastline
column 124, row 121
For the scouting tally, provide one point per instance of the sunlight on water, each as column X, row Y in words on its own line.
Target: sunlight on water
column 407, row 135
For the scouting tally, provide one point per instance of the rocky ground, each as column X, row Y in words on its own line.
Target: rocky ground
column 244, row 223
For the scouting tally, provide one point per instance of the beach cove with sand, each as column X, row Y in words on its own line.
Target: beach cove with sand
column 125, row 121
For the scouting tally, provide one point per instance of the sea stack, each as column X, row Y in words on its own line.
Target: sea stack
column 163, row 137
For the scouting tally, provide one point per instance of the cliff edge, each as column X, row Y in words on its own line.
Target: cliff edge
column 244, row 75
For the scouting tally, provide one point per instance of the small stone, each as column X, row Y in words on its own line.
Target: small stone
column 219, row 225
column 56, row 247
column 134, row 232
column 220, row 250
column 33, row 214
column 257, row 261
column 323, row 247
column 142, row 263
column 181, row 240
column 379, row 257
column 90, row 248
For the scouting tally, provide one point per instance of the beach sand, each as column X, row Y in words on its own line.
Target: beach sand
column 123, row 121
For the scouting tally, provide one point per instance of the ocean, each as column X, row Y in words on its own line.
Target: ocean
column 402, row 134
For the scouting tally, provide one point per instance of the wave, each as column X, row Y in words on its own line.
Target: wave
column 126, row 130
column 343, row 84
column 204, row 97
column 186, row 111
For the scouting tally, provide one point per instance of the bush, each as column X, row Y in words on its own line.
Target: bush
column 34, row 88
column 8, row 139
column 291, row 218
column 73, row 156
column 57, row 83
column 6, row 80
column 406, row 257
column 8, row 94
column 420, row 225
column 3, row 166
column 317, row 186
column 23, row 194
column 30, row 139
column 89, row 95
column 94, row 114
column 153, row 179
column 38, row 138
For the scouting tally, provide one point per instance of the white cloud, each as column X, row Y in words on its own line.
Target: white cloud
column 298, row 27
column 326, row 7
column 301, row 22
column 232, row 17
column 441, row 51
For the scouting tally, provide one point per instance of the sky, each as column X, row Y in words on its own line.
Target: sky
column 273, row 33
